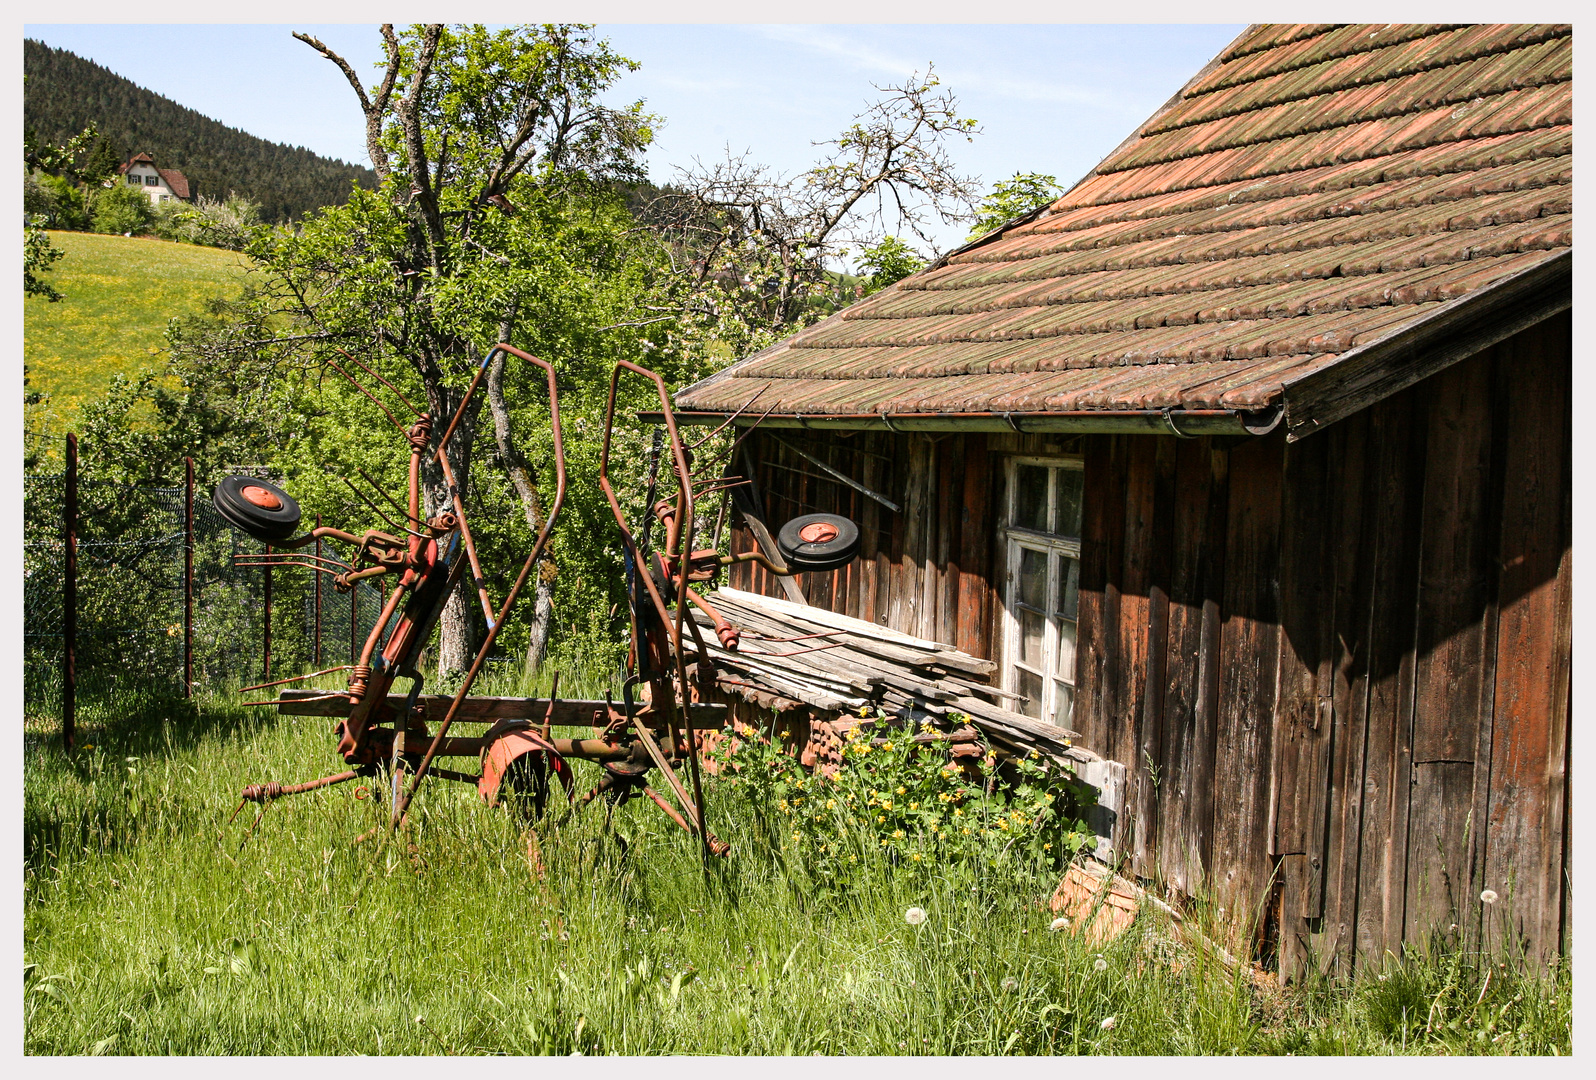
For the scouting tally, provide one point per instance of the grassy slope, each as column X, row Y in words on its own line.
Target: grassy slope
column 154, row 930
column 120, row 293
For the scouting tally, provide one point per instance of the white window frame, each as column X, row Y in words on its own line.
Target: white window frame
column 1016, row 539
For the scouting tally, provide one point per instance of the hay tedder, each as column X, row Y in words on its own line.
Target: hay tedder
column 659, row 724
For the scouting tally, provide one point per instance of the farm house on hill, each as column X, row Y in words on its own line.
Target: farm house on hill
column 1249, row 460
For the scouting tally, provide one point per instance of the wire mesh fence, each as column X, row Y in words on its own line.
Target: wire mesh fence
column 132, row 622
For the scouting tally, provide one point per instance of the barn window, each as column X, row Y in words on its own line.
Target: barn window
column 1042, row 531
column 134, row 178
column 152, row 181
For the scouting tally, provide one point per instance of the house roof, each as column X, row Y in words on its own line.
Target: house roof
column 1315, row 209
column 174, row 179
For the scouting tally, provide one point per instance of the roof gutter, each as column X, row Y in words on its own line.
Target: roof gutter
column 1182, row 423
column 1455, row 331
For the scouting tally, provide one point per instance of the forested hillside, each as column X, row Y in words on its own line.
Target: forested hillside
column 63, row 92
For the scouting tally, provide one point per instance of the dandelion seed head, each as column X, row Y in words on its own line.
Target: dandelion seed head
column 914, row 916
column 1109, row 1023
column 1010, row 984
column 1060, row 923
column 1099, row 964
column 1488, row 896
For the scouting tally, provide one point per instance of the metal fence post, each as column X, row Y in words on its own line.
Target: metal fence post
column 188, row 577
column 268, row 634
column 317, row 575
column 69, row 600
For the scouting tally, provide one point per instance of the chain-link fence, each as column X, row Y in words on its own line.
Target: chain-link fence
column 131, row 625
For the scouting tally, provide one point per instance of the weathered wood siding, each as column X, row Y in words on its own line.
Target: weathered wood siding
column 929, row 568
column 1336, row 671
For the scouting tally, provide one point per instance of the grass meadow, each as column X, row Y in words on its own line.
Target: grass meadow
column 153, row 926
column 120, row 292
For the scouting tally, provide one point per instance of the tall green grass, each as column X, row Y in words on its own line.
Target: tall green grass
column 152, row 926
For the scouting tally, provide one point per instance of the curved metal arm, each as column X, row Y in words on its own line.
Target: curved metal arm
column 538, row 545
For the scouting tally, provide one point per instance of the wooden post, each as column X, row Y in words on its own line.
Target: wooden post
column 69, row 600
column 316, row 645
column 268, row 628
column 188, row 577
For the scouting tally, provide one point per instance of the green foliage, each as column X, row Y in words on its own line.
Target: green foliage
column 62, row 90
column 54, row 200
column 905, row 808
column 1014, row 198
column 225, row 223
column 888, row 262
column 38, row 254
column 120, row 210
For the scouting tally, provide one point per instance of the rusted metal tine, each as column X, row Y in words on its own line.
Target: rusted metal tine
column 241, row 558
column 682, row 526
column 378, row 489
column 356, row 384
column 716, row 844
column 294, row 678
column 273, row 790
column 290, row 562
column 376, row 375
column 300, row 700
column 375, row 509
column 532, row 558
column 477, row 577
column 730, row 419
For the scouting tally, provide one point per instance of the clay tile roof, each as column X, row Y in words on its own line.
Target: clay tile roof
column 176, row 181
column 1314, row 194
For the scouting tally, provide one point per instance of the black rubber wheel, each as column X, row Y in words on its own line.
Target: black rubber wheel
column 817, row 542
column 260, row 508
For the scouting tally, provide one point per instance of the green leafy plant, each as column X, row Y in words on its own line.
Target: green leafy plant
column 907, row 805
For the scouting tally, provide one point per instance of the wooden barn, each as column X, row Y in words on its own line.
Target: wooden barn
column 1248, row 459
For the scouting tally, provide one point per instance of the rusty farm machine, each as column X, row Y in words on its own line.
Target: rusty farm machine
column 657, row 727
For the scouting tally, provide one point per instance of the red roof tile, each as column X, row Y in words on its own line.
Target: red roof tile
column 1315, row 189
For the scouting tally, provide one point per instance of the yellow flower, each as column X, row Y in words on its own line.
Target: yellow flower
column 880, row 818
column 901, row 790
column 864, row 711
column 1002, row 824
column 886, row 804
column 853, row 858
column 831, row 804
column 897, row 834
column 914, row 806
column 887, row 745
column 966, row 830
column 782, row 803
column 958, row 811
column 915, row 856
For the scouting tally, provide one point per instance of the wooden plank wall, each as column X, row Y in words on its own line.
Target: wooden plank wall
column 927, row 569
column 1336, row 671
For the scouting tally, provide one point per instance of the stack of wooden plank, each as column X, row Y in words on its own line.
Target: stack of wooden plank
column 842, row 663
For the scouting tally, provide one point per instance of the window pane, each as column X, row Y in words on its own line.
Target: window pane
column 1030, row 497
column 1032, row 626
column 1066, row 651
column 1031, row 686
column 1067, row 518
column 1067, row 590
column 1033, row 578
column 1063, row 705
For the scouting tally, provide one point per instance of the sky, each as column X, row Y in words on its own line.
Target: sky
column 1051, row 99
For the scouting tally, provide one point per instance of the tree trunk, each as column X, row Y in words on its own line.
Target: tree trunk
column 524, row 478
